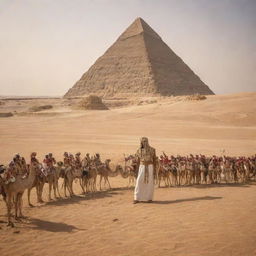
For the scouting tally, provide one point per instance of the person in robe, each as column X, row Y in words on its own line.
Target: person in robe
column 144, row 188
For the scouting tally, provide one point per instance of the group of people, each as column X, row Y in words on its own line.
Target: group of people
column 147, row 168
column 200, row 169
column 18, row 166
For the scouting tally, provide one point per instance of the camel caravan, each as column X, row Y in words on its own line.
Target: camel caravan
column 19, row 176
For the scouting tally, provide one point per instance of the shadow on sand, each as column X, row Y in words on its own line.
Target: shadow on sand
column 217, row 185
column 187, row 200
column 51, row 226
column 222, row 185
column 79, row 198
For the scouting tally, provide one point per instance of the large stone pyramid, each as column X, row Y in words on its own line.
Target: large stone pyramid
column 139, row 63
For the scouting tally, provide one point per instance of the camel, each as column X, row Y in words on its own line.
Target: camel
column 89, row 178
column 131, row 166
column 240, row 172
column 163, row 172
column 66, row 173
column 15, row 190
column 38, row 184
column 52, row 179
column 181, row 172
column 174, row 174
column 246, row 167
column 203, row 173
column 90, row 174
column 197, row 174
column 132, row 175
column 103, row 172
column 189, row 172
column 226, row 170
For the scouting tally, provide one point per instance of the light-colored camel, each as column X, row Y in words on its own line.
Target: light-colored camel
column 203, row 173
column 132, row 175
column 51, row 178
column 38, row 183
column 14, row 191
column 226, row 170
column 163, row 173
column 68, row 179
column 105, row 171
column 181, row 173
column 190, row 173
column 131, row 166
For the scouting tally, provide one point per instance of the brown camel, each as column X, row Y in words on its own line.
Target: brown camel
column 105, row 171
column 89, row 178
column 68, row 178
column 15, row 190
column 38, row 183
column 52, row 179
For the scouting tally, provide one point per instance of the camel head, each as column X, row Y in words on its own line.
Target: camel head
column 107, row 161
column 60, row 163
column 2, row 168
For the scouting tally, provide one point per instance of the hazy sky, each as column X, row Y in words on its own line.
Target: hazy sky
column 46, row 45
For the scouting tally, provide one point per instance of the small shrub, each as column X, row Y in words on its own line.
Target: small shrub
column 196, row 97
column 40, row 108
column 6, row 114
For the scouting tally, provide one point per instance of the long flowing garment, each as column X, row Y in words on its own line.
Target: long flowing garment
column 144, row 191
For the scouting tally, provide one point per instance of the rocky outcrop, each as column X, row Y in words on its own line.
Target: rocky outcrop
column 92, row 102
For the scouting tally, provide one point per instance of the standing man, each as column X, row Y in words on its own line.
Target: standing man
column 144, row 188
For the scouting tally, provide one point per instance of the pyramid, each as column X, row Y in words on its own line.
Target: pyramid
column 139, row 63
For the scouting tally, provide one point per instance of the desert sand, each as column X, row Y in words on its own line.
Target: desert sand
column 192, row 220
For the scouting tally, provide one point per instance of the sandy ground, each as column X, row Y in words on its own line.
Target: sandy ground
column 198, row 220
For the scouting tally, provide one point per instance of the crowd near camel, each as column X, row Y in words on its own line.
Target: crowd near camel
column 19, row 176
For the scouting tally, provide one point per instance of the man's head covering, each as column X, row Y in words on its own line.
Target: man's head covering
column 144, row 142
column 33, row 154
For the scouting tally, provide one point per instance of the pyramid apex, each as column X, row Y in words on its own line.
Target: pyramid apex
column 139, row 26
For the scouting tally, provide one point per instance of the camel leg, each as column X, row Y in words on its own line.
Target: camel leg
column 50, row 191
column 9, row 210
column 159, row 181
column 20, row 205
column 108, row 182
column 69, row 185
column 94, row 185
column 85, row 184
column 16, row 202
column 57, row 186
column 71, row 188
column 41, row 186
column 81, row 185
column 54, row 189
column 65, row 187
column 100, row 181
column 29, row 203
column 37, row 193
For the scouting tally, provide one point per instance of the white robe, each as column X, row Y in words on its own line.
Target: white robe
column 144, row 191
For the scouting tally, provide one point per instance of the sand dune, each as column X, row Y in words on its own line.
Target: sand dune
column 174, row 125
column 199, row 220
